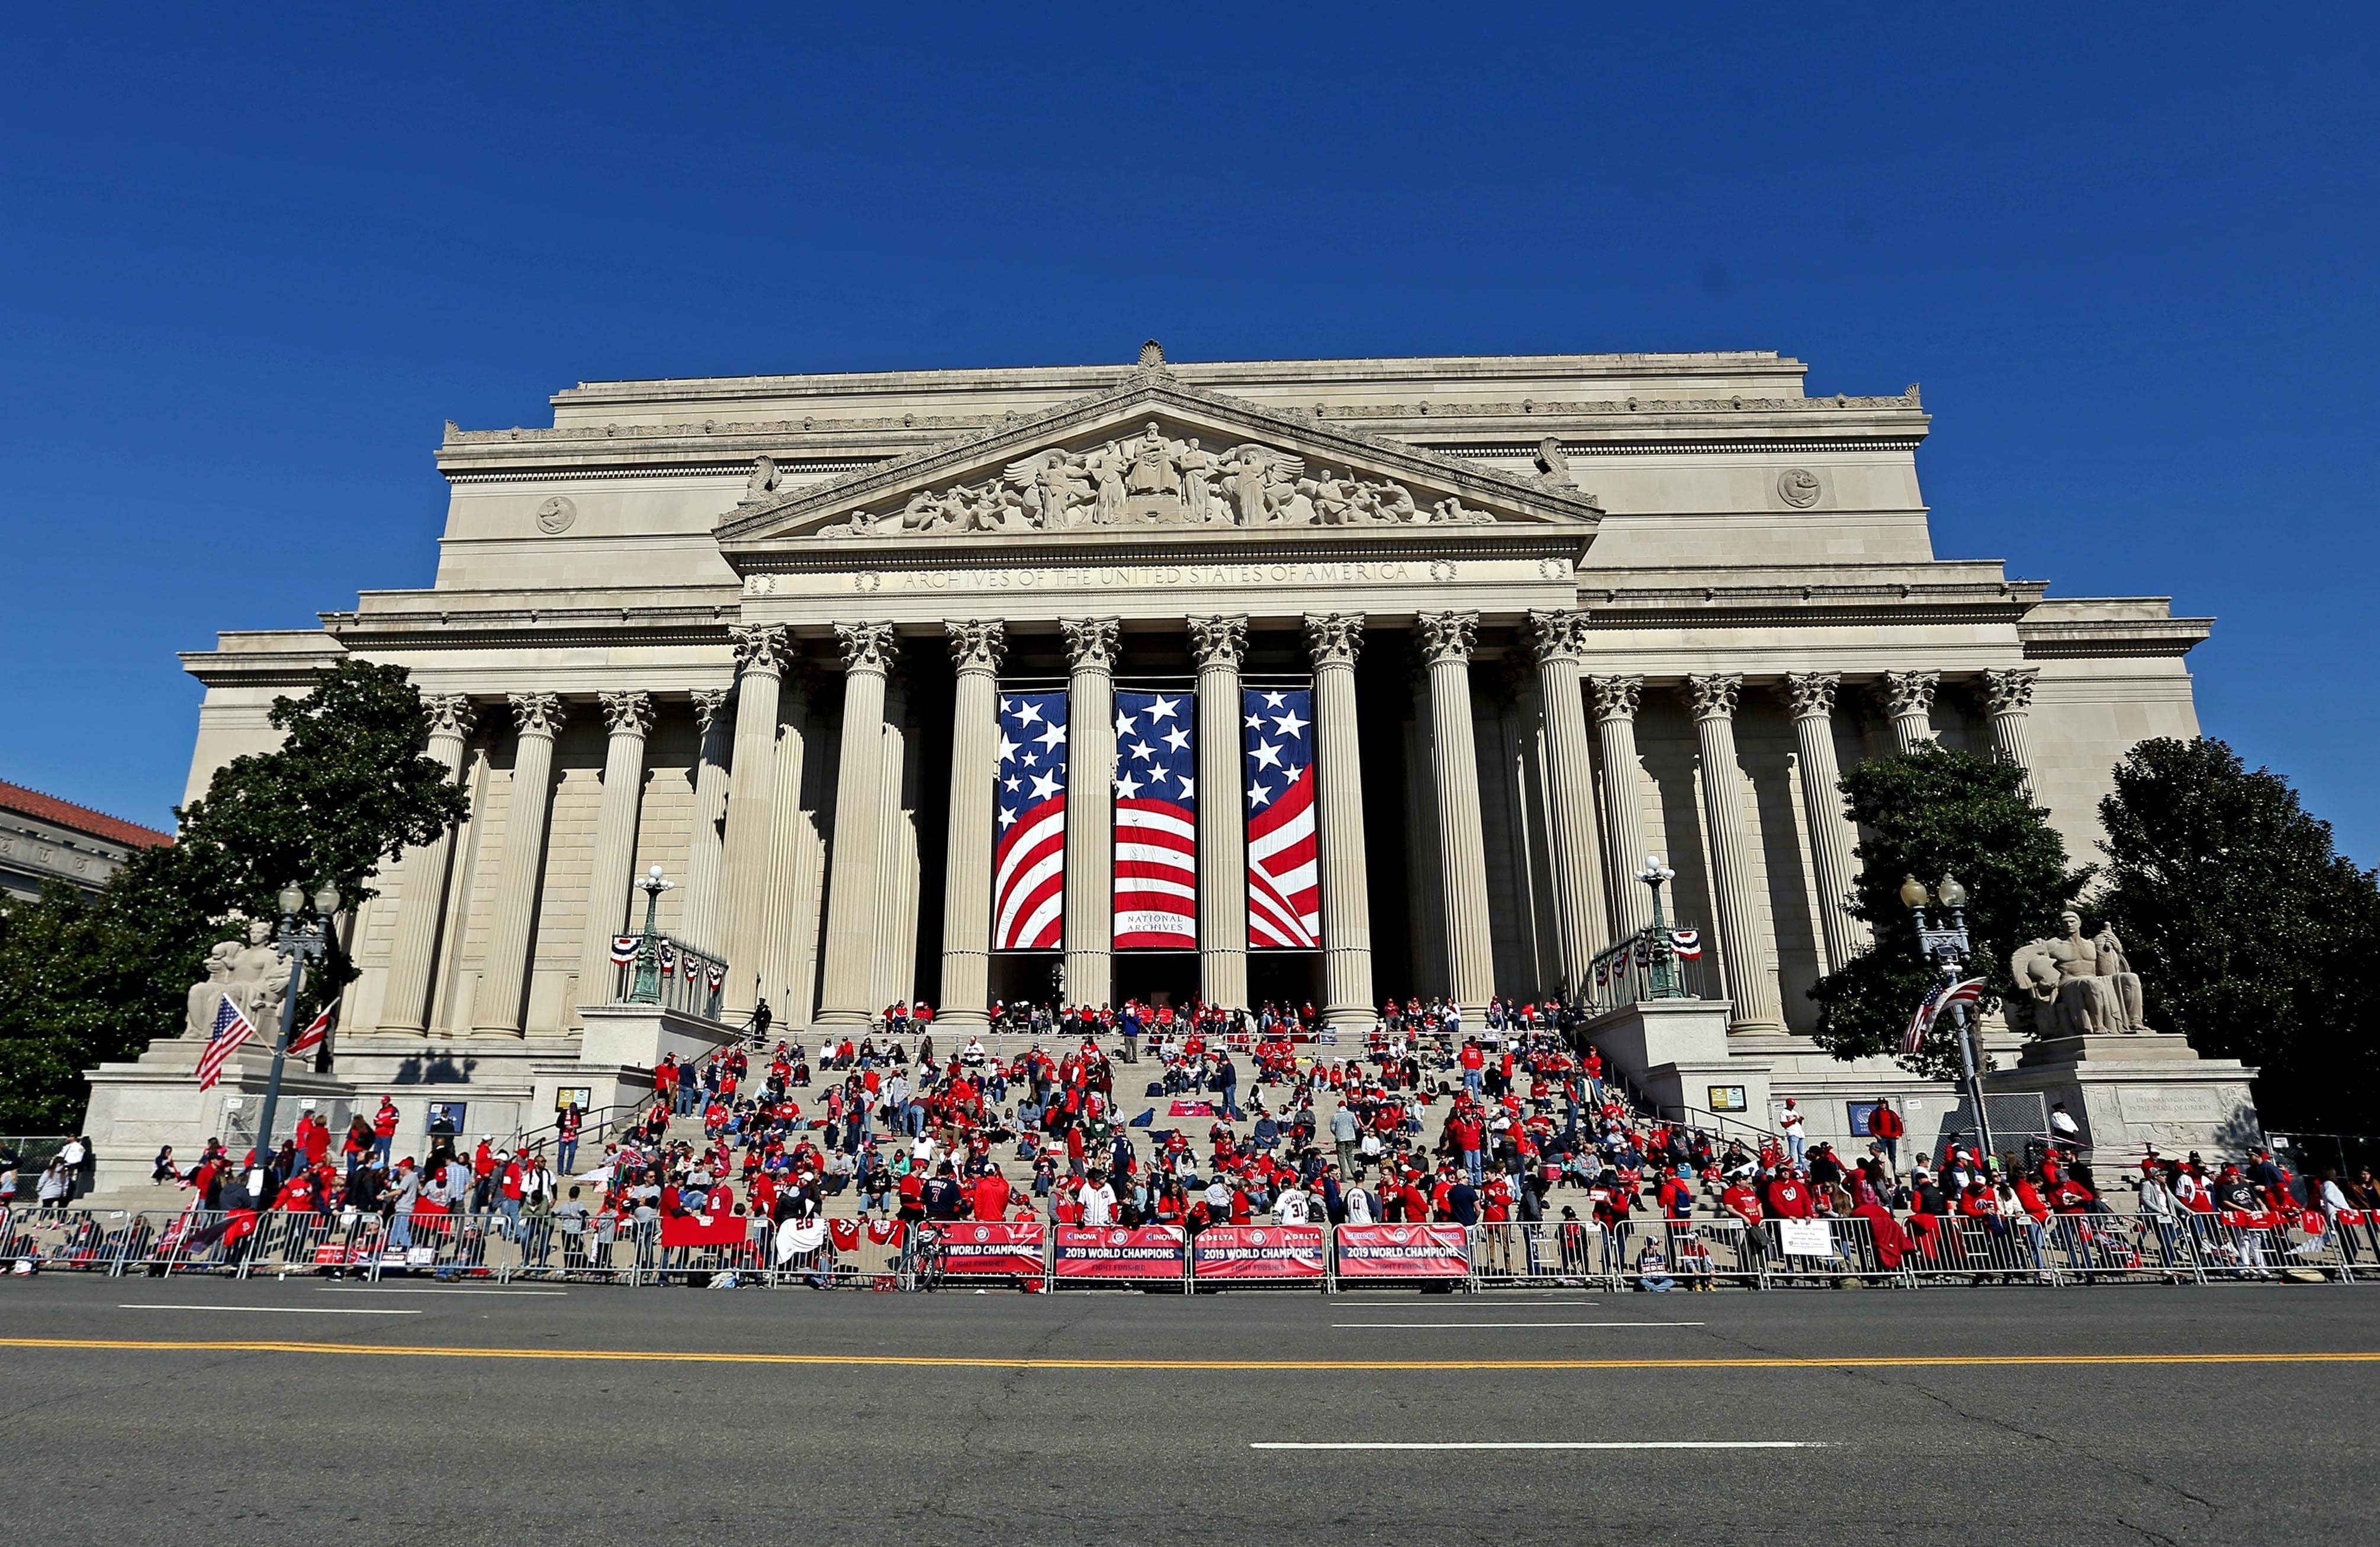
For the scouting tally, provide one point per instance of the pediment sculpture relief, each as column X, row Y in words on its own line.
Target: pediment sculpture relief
column 2076, row 985
column 1152, row 479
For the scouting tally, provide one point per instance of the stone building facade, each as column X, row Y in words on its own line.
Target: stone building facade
column 1557, row 613
column 43, row 838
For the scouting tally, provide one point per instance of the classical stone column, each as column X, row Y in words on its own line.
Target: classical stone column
column 423, row 893
column 2008, row 695
column 1744, row 950
column 976, row 649
column 1580, row 908
column 761, row 655
column 1218, row 644
column 1091, row 648
column 703, row 847
column 1616, row 699
column 1447, row 640
column 504, row 988
column 1333, row 640
column 869, row 649
column 1832, row 836
column 1911, row 696
column 629, row 719
column 782, row 949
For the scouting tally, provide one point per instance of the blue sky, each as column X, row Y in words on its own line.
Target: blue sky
column 253, row 260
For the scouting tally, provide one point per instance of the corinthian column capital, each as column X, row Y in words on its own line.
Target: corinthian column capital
column 1092, row 643
column 1813, row 693
column 2010, row 691
column 449, row 715
column 759, row 648
column 977, row 645
column 868, row 647
column 1558, row 636
column 1219, row 642
column 1617, row 698
column 628, row 713
column 708, row 703
column 537, row 713
column 1448, row 635
column 1714, row 694
column 1910, row 693
column 1334, row 639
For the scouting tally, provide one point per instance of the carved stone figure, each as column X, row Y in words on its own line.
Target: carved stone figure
column 1107, row 467
column 1199, row 506
column 1154, row 470
column 1552, row 466
column 1253, row 473
column 763, row 481
column 259, row 978
column 2078, row 986
column 199, row 1022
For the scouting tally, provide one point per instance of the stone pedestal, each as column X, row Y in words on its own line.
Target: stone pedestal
column 155, row 1100
column 2127, row 1091
column 1678, row 1053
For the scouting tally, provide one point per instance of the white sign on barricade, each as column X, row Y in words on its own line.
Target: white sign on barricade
column 1806, row 1238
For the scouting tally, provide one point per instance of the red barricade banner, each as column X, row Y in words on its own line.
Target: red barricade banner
column 1152, row 1251
column 1404, row 1251
column 1258, row 1251
column 988, row 1248
column 695, row 1230
column 2245, row 1219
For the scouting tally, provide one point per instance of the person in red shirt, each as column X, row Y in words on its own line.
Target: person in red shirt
column 990, row 1195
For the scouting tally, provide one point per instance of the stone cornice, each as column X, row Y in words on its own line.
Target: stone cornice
column 528, row 626
column 290, row 659
column 2049, row 639
column 1611, row 601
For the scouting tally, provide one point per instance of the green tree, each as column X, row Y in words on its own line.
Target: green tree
column 348, row 790
column 2253, row 936
column 1928, row 813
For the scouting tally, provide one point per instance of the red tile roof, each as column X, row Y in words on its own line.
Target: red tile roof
column 81, row 819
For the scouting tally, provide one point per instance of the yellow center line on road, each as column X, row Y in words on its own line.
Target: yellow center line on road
column 698, row 1356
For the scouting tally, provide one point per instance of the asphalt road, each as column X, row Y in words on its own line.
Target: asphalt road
column 195, row 1411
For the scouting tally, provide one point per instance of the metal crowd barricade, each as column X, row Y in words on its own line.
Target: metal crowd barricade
column 71, row 1239
column 2121, row 1249
column 1541, row 1254
column 2236, row 1246
column 1693, row 1251
column 1790, row 1257
column 286, row 1241
column 440, row 1245
column 1951, row 1246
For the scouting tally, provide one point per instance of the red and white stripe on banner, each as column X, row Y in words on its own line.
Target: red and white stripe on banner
column 1028, row 802
column 1284, row 872
column 1150, row 1251
column 1404, row 1251
column 1270, row 1251
column 1156, row 823
column 1012, row 1249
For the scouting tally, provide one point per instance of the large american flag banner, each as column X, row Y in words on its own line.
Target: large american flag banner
column 1156, row 823
column 1284, row 878
column 1029, row 866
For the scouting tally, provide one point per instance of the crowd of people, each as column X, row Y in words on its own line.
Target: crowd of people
column 1247, row 1118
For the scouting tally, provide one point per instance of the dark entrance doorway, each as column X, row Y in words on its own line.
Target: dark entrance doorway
column 1156, row 977
column 1288, row 978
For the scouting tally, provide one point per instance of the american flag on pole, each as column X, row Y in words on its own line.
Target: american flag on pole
column 231, row 1030
column 312, row 1038
column 1029, row 860
column 1284, row 875
column 1156, row 823
column 1939, row 998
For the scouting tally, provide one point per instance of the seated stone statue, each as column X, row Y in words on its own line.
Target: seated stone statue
column 205, row 995
column 2078, row 986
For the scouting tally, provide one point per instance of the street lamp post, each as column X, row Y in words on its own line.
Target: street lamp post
column 1664, row 964
column 647, row 989
column 1946, row 946
column 302, row 944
